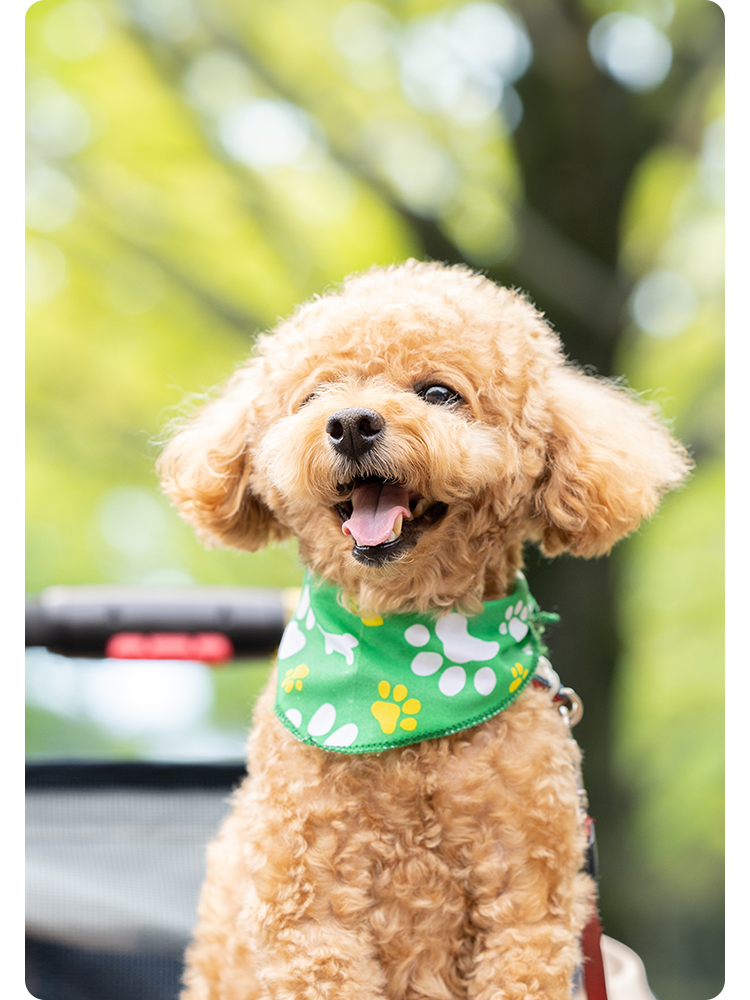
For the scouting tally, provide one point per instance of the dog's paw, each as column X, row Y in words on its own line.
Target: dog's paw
column 515, row 622
column 520, row 673
column 387, row 712
column 293, row 678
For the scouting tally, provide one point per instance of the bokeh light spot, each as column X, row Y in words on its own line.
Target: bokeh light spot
column 57, row 122
column 51, row 199
column 125, row 697
column 74, row 30
column 488, row 35
column 711, row 163
column 461, row 65
column 172, row 20
column 128, row 697
column 265, row 133
column 46, row 270
column 422, row 173
column 216, row 80
column 664, row 303
column 132, row 521
column 363, row 31
column 432, row 76
column 631, row 49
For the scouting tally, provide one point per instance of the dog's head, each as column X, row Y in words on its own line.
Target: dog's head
column 413, row 431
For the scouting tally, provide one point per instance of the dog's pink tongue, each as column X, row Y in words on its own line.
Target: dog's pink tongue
column 375, row 509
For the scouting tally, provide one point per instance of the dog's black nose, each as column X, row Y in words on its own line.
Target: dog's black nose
column 354, row 431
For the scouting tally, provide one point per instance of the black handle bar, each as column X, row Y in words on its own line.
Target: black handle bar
column 157, row 623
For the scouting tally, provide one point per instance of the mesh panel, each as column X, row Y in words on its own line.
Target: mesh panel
column 114, row 863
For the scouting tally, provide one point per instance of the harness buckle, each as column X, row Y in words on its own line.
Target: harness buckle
column 570, row 707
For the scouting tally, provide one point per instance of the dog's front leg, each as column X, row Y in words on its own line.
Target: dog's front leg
column 518, row 830
column 281, row 915
column 286, row 903
column 307, row 901
column 532, row 959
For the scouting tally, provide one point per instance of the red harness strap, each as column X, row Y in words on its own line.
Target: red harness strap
column 593, row 966
column 591, row 938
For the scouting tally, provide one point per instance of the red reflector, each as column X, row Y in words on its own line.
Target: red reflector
column 208, row 647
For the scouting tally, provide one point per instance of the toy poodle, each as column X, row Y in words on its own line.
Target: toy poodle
column 410, row 826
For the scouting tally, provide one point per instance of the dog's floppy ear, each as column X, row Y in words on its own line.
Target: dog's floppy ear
column 206, row 468
column 610, row 460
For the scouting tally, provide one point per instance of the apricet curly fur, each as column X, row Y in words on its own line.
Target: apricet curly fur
column 449, row 869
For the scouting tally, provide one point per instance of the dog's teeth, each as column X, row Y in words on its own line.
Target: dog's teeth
column 421, row 507
column 396, row 529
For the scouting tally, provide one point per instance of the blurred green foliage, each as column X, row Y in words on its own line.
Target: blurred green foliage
column 669, row 695
column 198, row 167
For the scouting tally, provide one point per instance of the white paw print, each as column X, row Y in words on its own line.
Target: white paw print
column 459, row 647
column 342, row 643
column 293, row 640
column 304, row 610
column 515, row 621
column 322, row 721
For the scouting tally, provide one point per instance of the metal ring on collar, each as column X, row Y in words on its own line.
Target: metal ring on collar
column 571, row 707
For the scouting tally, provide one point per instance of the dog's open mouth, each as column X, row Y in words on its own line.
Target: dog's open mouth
column 384, row 518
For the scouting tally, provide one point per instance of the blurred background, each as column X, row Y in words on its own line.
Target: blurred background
column 198, row 167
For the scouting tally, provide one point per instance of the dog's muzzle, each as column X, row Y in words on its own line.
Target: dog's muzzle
column 383, row 516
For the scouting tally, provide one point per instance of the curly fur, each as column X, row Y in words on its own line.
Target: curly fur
column 450, row 869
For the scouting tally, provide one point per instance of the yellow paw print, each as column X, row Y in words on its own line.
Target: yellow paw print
column 293, row 678
column 387, row 712
column 520, row 673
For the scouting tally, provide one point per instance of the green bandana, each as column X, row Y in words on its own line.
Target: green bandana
column 356, row 685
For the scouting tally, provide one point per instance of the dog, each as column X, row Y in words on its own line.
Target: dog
column 410, row 826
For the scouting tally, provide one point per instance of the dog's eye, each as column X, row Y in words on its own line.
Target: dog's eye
column 440, row 395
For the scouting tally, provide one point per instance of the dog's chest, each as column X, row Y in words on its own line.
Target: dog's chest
column 453, row 801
